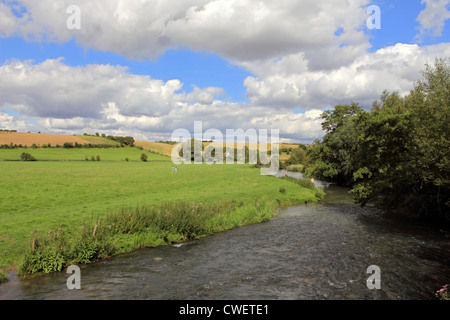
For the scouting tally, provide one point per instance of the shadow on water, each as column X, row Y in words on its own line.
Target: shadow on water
column 309, row 252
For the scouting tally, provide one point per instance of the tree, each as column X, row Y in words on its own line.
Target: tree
column 144, row 157
column 398, row 154
column 27, row 157
column 336, row 118
column 333, row 156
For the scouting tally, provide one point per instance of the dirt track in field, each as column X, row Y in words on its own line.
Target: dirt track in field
column 27, row 139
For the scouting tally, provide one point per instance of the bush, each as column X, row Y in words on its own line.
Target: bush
column 144, row 157
column 98, row 158
column 27, row 157
column 68, row 145
column 3, row 277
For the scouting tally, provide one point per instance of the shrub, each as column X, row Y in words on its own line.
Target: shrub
column 282, row 190
column 27, row 157
column 46, row 253
column 68, row 145
column 144, row 157
column 98, row 158
column 3, row 277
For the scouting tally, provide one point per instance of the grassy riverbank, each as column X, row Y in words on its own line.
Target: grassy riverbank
column 45, row 200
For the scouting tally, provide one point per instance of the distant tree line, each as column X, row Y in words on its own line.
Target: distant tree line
column 128, row 141
column 67, row 145
column 124, row 142
column 209, row 153
column 397, row 154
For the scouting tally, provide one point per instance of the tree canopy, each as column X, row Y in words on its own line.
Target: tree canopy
column 396, row 154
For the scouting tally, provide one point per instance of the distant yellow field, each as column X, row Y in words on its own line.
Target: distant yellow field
column 27, row 139
column 281, row 145
column 161, row 148
column 166, row 149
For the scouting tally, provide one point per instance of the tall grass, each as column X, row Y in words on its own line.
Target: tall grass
column 131, row 228
column 306, row 184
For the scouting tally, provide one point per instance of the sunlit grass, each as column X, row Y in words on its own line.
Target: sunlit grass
column 45, row 195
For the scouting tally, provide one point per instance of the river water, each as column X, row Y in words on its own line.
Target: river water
column 308, row 252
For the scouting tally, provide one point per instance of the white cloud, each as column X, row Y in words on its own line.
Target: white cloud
column 54, row 89
column 54, row 97
column 297, row 58
column 432, row 18
column 8, row 22
column 393, row 68
column 235, row 29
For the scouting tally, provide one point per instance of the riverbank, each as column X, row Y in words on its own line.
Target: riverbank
column 306, row 252
column 50, row 202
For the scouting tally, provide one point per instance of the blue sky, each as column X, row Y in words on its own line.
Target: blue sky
column 399, row 24
column 201, row 69
column 204, row 69
column 260, row 67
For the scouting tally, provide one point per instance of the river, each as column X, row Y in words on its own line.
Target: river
column 308, row 252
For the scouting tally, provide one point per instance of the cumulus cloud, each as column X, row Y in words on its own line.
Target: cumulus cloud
column 290, row 84
column 432, row 18
column 235, row 29
column 52, row 88
column 54, row 97
column 304, row 55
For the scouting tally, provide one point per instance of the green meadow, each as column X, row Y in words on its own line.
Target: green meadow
column 54, row 194
column 80, row 154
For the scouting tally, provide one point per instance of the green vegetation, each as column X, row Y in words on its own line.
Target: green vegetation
column 74, row 154
column 144, row 157
column 133, row 228
column 27, row 157
column 103, row 139
column 296, row 156
column 3, row 277
column 398, row 154
column 51, row 201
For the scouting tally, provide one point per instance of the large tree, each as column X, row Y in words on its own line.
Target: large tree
column 398, row 153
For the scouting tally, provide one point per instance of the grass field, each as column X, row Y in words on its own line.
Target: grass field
column 45, row 195
column 74, row 154
column 99, row 140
